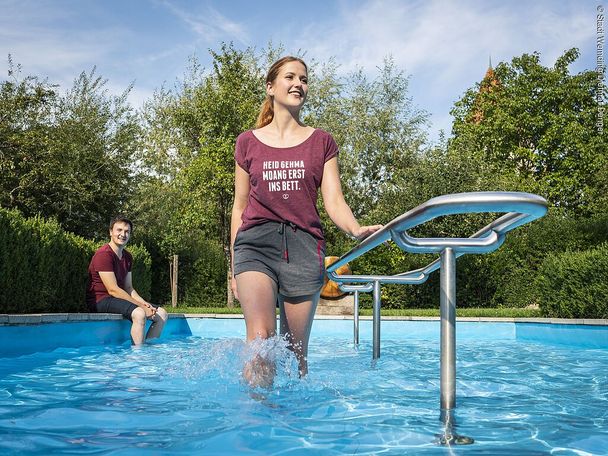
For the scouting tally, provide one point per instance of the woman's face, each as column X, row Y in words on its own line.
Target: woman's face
column 290, row 86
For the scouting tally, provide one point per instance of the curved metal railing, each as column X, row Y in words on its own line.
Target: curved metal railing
column 518, row 208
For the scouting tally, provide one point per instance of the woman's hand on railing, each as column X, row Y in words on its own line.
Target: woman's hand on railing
column 364, row 231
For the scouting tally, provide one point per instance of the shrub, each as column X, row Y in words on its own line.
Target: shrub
column 141, row 271
column 44, row 269
column 516, row 264
column 203, row 276
column 574, row 284
column 504, row 278
column 202, row 270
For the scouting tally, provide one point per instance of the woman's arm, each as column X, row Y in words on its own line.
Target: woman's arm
column 241, row 196
column 336, row 206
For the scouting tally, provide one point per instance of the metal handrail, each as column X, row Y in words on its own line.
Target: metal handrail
column 356, row 289
column 519, row 208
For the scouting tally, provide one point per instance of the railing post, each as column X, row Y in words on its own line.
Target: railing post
column 447, row 301
column 518, row 208
column 356, row 319
column 376, row 322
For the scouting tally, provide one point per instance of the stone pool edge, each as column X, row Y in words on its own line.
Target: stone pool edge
column 34, row 319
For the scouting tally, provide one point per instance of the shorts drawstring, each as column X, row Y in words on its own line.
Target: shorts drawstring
column 282, row 232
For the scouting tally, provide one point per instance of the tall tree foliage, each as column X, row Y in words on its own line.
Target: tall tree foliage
column 380, row 134
column 65, row 156
column 190, row 149
column 538, row 122
column 26, row 110
column 533, row 128
column 374, row 121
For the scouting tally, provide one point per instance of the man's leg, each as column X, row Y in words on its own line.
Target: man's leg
column 136, row 314
column 138, row 318
column 158, row 323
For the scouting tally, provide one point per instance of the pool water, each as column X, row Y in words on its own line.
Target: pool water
column 185, row 395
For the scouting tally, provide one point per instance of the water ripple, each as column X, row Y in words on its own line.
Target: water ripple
column 188, row 395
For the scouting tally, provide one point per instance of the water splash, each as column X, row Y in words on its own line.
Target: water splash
column 226, row 359
column 274, row 355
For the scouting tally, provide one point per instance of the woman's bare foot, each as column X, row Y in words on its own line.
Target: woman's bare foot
column 259, row 372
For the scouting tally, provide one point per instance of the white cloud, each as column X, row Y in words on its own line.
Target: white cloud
column 210, row 25
column 444, row 34
column 29, row 32
column 52, row 40
column 445, row 45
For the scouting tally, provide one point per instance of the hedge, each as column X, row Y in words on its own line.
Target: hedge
column 574, row 284
column 504, row 278
column 515, row 266
column 44, row 268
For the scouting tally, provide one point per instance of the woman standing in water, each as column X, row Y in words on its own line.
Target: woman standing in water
column 277, row 240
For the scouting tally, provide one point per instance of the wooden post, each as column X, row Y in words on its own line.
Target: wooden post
column 173, row 277
column 229, row 293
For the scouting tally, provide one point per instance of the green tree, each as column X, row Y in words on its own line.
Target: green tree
column 380, row 134
column 227, row 104
column 527, row 127
column 382, row 140
column 26, row 109
column 379, row 130
column 96, row 136
column 65, row 156
column 539, row 122
column 189, row 148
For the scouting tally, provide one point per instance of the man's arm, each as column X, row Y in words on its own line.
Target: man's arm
column 133, row 293
column 109, row 281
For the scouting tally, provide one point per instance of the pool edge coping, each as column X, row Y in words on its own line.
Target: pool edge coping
column 39, row 318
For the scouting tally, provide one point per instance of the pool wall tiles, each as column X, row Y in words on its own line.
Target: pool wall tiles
column 586, row 336
column 21, row 339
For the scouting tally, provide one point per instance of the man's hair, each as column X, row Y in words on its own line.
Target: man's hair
column 122, row 219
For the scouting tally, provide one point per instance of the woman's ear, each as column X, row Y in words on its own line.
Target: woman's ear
column 269, row 89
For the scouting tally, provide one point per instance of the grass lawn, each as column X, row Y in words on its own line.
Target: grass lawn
column 464, row 312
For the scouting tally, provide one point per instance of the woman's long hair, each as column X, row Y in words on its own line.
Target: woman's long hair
column 267, row 111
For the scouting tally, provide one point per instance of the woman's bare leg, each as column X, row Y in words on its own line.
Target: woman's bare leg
column 258, row 297
column 297, row 315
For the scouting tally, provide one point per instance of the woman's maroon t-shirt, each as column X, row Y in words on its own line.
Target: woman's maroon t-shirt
column 284, row 181
column 105, row 260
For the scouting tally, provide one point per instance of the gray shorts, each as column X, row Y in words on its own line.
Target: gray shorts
column 117, row 306
column 291, row 257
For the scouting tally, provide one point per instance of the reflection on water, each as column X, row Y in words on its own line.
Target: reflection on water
column 189, row 395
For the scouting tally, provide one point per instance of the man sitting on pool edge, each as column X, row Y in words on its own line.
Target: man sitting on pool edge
column 110, row 289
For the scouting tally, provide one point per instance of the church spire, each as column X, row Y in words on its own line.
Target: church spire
column 489, row 83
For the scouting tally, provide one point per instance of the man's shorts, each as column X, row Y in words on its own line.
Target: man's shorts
column 293, row 258
column 116, row 306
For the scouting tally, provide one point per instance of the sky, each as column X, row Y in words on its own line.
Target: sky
column 443, row 46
